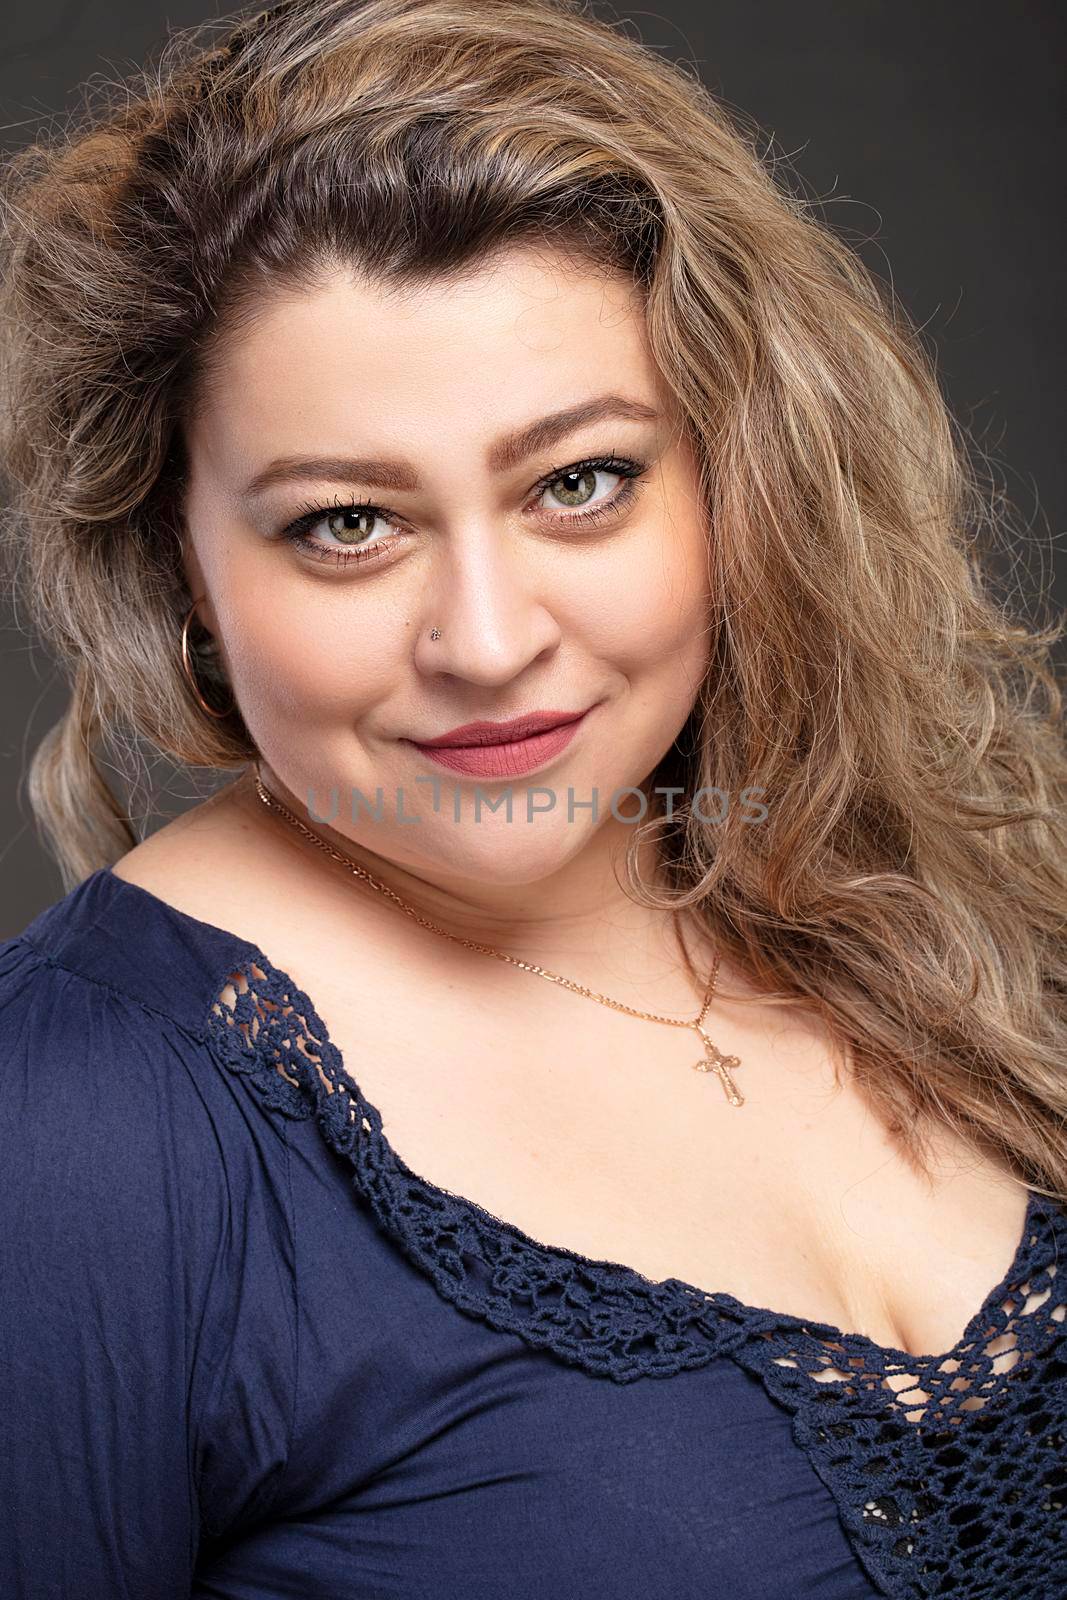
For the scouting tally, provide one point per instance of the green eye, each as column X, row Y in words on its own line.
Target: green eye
column 354, row 543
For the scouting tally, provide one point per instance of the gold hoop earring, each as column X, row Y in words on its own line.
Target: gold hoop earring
column 188, row 669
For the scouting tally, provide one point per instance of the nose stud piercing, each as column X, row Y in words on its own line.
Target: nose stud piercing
column 435, row 633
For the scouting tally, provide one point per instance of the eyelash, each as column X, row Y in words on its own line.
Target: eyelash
column 630, row 472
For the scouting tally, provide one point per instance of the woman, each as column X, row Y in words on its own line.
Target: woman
column 379, row 373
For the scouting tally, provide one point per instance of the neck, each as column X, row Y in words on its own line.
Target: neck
column 577, row 921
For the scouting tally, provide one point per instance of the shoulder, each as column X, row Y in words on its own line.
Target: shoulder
column 114, row 1114
column 109, row 1077
column 113, row 933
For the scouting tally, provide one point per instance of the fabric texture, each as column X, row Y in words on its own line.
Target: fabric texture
column 247, row 1352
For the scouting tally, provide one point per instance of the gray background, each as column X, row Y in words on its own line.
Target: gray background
column 933, row 135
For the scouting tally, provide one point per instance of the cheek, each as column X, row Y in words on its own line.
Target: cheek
column 649, row 611
column 307, row 659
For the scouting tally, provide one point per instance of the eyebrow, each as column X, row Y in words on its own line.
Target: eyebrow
column 505, row 453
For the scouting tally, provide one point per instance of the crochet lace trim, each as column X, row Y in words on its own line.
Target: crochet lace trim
column 949, row 1471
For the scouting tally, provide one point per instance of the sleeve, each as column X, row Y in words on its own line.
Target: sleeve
column 146, row 1378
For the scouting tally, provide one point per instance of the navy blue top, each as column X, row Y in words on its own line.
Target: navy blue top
column 246, row 1352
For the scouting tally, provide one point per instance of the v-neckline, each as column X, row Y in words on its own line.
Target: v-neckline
column 294, row 1100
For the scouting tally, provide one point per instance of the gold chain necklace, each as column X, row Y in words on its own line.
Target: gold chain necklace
column 712, row 1060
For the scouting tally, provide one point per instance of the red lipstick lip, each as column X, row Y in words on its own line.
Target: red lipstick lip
column 488, row 733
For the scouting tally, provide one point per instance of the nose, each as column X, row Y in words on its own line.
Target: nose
column 488, row 603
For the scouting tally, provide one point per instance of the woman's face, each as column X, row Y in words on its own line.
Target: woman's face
column 328, row 644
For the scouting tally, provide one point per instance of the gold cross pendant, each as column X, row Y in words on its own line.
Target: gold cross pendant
column 715, row 1061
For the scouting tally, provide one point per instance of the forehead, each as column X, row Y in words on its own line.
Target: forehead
column 509, row 295
column 523, row 334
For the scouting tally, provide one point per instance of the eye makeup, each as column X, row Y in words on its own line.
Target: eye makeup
column 629, row 471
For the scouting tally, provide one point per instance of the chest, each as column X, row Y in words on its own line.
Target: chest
column 595, row 1133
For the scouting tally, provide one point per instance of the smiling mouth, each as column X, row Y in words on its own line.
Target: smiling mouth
column 507, row 757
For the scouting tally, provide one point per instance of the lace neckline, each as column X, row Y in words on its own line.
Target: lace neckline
column 946, row 1470
column 272, row 1032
